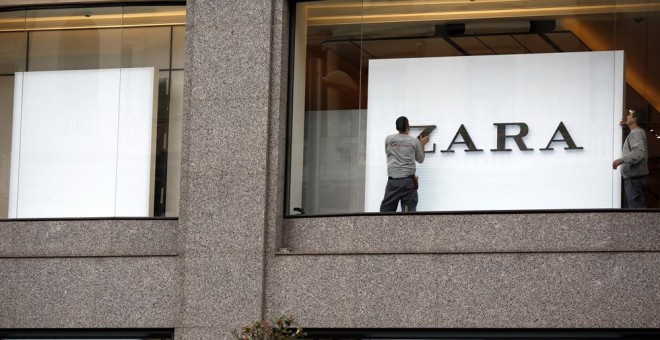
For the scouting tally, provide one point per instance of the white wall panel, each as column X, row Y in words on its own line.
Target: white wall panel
column 136, row 145
column 582, row 90
column 79, row 149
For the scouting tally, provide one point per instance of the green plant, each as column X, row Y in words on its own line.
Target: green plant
column 282, row 328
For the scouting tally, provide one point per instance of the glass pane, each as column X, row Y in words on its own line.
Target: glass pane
column 75, row 49
column 174, row 144
column 153, row 47
column 12, row 21
column 74, row 18
column 326, row 113
column 13, row 42
column 161, row 140
column 146, row 47
column 638, row 34
column 13, row 46
column 6, row 109
column 154, row 16
column 178, row 46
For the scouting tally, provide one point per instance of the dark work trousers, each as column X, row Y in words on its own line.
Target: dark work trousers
column 635, row 188
column 399, row 189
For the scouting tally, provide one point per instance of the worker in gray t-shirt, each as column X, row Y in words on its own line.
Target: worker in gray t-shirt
column 633, row 162
column 402, row 151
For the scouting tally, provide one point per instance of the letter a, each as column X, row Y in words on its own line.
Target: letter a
column 466, row 140
column 567, row 139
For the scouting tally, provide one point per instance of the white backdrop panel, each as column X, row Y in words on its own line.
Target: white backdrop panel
column 76, row 150
column 136, row 149
column 582, row 90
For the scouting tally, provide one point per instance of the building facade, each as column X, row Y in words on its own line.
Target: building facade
column 233, row 254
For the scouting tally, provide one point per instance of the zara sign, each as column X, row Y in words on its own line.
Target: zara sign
column 549, row 121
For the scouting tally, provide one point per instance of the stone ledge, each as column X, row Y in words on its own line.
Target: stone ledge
column 73, row 238
column 474, row 233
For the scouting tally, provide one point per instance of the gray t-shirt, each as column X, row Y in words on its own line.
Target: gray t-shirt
column 402, row 151
column 634, row 155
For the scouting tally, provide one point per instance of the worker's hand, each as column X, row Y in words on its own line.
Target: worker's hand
column 616, row 164
column 424, row 140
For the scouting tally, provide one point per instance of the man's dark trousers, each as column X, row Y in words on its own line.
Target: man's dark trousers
column 635, row 188
column 399, row 189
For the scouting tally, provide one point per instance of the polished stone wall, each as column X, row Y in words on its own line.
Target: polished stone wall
column 533, row 270
column 89, row 292
column 89, row 274
column 88, row 238
column 476, row 233
column 227, row 126
column 487, row 290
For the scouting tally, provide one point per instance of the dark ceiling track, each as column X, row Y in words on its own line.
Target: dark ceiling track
column 495, row 28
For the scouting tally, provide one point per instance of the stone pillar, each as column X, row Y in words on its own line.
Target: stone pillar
column 225, row 164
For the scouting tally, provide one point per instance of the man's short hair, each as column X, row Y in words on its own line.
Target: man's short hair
column 402, row 124
column 640, row 116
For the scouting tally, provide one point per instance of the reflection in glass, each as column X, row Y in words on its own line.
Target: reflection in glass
column 327, row 88
column 64, row 50
column 13, row 46
column 174, row 144
column 178, row 46
column 146, row 47
column 12, row 21
column 154, row 16
column 6, row 109
column 74, row 18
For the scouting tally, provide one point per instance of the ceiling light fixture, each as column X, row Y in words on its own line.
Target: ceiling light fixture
column 45, row 23
column 389, row 12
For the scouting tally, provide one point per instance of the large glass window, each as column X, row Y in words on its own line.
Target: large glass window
column 521, row 100
column 90, row 111
column 481, row 334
